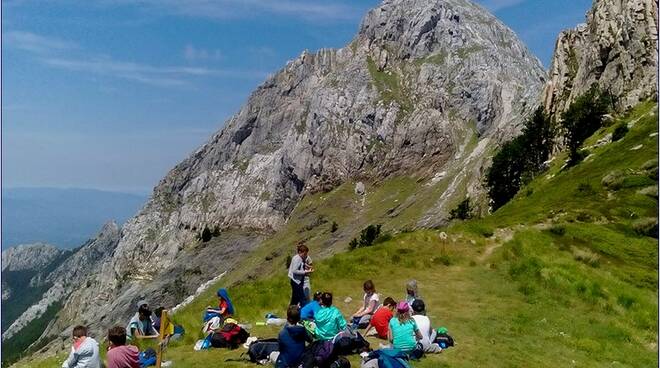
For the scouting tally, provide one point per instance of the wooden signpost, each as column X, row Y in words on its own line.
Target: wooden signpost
column 164, row 322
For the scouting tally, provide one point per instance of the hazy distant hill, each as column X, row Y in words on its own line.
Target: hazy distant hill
column 64, row 217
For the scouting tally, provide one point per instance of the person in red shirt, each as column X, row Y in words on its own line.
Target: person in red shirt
column 119, row 354
column 381, row 319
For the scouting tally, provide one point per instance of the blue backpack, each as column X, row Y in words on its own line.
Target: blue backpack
column 147, row 358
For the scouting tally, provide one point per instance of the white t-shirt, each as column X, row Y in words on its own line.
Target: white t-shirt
column 424, row 325
column 371, row 299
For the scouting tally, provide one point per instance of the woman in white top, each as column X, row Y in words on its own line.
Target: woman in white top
column 424, row 324
column 370, row 302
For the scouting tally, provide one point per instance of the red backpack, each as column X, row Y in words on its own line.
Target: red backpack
column 230, row 336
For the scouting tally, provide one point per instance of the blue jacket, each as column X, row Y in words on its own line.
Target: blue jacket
column 390, row 358
column 308, row 311
column 292, row 345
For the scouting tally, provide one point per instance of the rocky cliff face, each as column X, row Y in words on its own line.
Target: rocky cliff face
column 420, row 82
column 29, row 257
column 71, row 275
column 616, row 48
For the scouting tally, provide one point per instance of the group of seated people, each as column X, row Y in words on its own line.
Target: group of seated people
column 404, row 324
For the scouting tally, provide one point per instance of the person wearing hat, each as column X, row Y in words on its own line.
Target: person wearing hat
column 424, row 324
column 403, row 333
column 141, row 325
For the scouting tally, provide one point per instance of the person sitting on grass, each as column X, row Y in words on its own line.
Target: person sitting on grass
column 307, row 312
column 379, row 324
column 424, row 324
column 370, row 301
column 84, row 351
column 403, row 333
column 328, row 319
column 119, row 354
column 225, row 307
column 141, row 325
column 292, row 340
column 411, row 292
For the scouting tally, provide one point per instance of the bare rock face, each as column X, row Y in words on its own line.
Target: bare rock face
column 616, row 48
column 29, row 257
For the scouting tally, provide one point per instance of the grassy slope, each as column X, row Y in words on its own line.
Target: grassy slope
column 564, row 280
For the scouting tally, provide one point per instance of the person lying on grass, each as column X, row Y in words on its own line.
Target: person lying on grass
column 379, row 324
column 370, row 300
column 403, row 333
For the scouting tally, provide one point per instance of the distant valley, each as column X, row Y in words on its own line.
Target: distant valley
column 66, row 218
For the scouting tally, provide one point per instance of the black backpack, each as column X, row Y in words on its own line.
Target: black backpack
column 353, row 344
column 261, row 349
column 341, row 362
column 444, row 340
column 230, row 337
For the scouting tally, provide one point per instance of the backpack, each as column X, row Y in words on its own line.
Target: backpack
column 261, row 349
column 147, row 358
column 230, row 336
column 347, row 343
column 444, row 340
column 341, row 362
column 317, row 354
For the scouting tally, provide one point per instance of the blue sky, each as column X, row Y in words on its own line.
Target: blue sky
column 111, row 94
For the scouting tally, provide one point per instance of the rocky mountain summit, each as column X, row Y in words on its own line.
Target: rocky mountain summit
column 617, row 48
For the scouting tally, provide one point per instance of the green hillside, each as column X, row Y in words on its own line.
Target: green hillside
column 563, row 275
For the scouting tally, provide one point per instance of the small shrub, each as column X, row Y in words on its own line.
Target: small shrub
column 463, row 211
column 625, row 301
column 619, row 132
column 558, row 230
column 206, row 235
column 367, row 237
column 443, row 259
column 583, row 216
column 585, row 189
column 334, row 227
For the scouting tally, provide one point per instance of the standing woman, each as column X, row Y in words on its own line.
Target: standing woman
column 297, row 273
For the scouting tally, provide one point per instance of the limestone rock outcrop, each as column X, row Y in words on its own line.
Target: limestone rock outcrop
column 616, row 49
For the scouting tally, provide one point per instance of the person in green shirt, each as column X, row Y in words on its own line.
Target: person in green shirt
column 403, row 333
column 328, row 319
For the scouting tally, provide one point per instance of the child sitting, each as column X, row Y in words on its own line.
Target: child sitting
column 370, row 302
column 225, row 307
column 424, row 324
column 379, row 324
column 84, row 351
column 403, row 333
column 329, row 320
column 411, row 292
column 291, row 340
column 119, row 354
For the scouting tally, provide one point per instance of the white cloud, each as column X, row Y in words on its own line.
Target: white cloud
column 194, row 54
column 58, row 54
column 34, row 43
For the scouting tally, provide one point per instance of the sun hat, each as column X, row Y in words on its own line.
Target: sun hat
column 402, row 307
